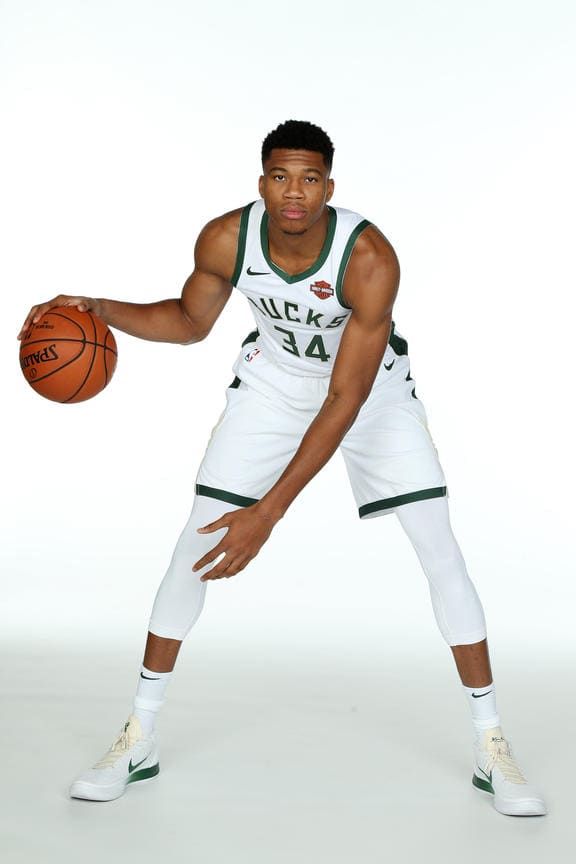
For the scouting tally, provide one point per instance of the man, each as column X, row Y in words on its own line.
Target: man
column 325, row 368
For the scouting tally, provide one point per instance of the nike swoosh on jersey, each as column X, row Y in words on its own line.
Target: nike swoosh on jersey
column 479, row 695
column 251, row 272
column 390, row 366
column 148, row 678
column 132, row 767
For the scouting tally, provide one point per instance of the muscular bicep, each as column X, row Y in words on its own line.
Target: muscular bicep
column 204, row 296
column 360, row 354
column 371, row 287
column 208, row 288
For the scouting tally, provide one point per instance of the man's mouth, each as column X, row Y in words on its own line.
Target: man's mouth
column 293, row 213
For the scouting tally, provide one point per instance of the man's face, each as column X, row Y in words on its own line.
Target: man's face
column 295, row 188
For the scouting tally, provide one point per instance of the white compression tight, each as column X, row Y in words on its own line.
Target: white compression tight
column 456, row 605
column 180, row 597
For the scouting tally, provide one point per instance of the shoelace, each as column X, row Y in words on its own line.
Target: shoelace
column 118, row 748
column 501, row 755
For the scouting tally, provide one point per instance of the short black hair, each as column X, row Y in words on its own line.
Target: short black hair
column 299, row 135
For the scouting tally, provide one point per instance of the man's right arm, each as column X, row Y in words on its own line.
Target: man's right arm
column 187, row 319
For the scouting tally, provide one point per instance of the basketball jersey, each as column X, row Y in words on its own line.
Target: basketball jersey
column 300, row 318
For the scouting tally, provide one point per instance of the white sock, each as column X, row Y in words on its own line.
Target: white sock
column 482, row 702
column 150, row 697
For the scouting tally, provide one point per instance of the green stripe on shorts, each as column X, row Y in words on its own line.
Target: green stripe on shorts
column 387, row 503
column 223, row 495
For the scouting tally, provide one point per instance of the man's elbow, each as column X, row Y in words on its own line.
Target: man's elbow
column 194, row 335
column 351, row 399
column 193, row 331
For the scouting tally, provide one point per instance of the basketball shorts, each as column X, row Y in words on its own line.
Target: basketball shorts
column 389, row 453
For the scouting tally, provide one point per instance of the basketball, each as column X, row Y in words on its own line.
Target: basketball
column 68, row 355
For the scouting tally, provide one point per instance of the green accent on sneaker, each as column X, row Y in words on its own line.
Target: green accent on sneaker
column 133, row 767
column 486, row 785
column 144, row 773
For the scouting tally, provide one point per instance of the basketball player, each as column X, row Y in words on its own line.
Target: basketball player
column 324, row 368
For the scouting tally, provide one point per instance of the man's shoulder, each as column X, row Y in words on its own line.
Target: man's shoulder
column 369, row 242
column 225, row 225
column 217, row 243
column 372, row 242
column 368, row 239
column 373, row 264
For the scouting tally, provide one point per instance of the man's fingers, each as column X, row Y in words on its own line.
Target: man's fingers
column 213, row 526
column 217, row 571
column 238, row 567
column 36, row 312
column 225, row 569
column 27, row 322
column 208, row 558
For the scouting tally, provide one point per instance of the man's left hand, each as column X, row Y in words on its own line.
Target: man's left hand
column 248, row 530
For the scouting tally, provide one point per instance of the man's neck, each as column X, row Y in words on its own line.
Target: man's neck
column 295, row 252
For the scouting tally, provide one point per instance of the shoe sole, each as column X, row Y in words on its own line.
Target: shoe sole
column 510, row 806
column 92, row 792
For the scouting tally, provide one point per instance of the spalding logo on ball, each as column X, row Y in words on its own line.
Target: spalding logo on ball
column 68, row 355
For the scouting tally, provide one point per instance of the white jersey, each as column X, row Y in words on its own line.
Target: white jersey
column 300, row 318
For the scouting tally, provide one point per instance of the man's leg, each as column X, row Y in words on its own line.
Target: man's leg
column 457, row 607
column 178, row 604
column 134, row 754
column 161, row 653
column 473, row 663
column 460, row 618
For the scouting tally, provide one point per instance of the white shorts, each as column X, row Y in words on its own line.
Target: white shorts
column 389, row 453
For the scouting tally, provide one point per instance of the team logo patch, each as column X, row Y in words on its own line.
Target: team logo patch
column 321, row 289
column 251, row 355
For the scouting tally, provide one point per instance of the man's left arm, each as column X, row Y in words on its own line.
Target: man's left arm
column 370, row 288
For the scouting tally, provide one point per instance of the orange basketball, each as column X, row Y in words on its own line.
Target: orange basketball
column 68, row 356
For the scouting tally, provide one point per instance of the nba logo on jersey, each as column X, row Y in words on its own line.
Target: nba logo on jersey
column 251, row 354
column 322, row 289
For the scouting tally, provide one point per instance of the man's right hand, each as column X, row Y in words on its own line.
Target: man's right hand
column 84, row 304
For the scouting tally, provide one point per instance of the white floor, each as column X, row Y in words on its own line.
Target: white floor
column 269, row 758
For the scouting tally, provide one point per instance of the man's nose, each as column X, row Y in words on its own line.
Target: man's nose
column 293, row 189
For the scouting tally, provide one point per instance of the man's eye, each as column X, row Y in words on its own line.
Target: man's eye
column 312, row 179
column 278, row 176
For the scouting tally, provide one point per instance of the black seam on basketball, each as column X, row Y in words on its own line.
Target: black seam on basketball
column 108, row 348
column 105, row 364
column 67, row 318
column 54, row 371
column 65, row 339
column 90, row 367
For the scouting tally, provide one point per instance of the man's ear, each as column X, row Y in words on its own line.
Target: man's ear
column 330, row 191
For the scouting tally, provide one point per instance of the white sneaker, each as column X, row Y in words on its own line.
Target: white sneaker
column 496, row 772
column 132, row 757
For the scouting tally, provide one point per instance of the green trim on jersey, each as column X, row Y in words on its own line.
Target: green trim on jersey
column 251, row 337
column 241, row 243
column 346, row 257
column 387, row 503
column 399, row 344
column 223, row 495
column 324, row 252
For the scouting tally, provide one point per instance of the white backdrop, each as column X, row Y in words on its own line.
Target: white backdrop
column 128, row 125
